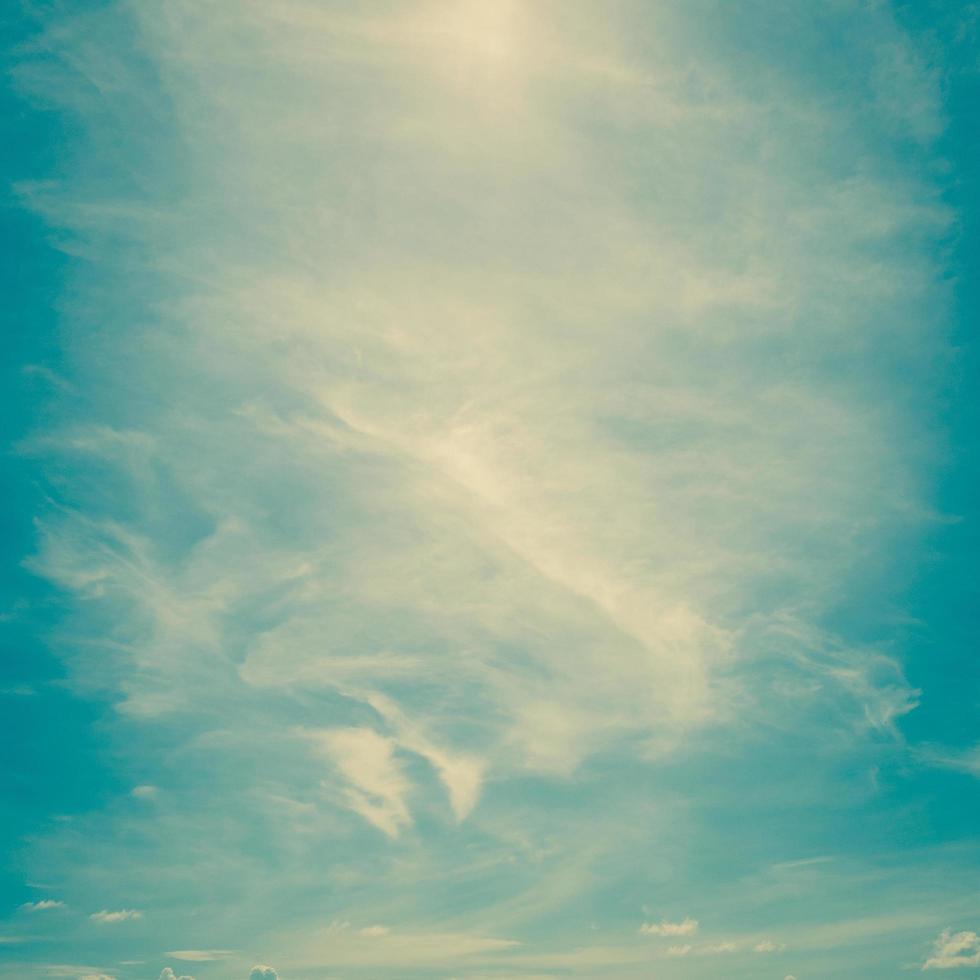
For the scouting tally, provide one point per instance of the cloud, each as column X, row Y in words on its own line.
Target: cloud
column 725, row 947
column 802, row 863
column 76, row 972
column 337, row 947
column 967, row 761
column 679, row 950
column 260, row 972
column 200, row 955
column 460, row 773
column 378, row 785
column 616, row 541
column 44, row 905
column 766, row 946
column 167, row 973
column 145, row 792
column 122, row 915
column 953, row 949
column 18, row 690
column 686, row 927
column 484, row 393
column 374, row 931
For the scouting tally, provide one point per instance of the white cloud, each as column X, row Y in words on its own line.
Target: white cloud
column 17, row 690
column 953, row 949
column 460, row 773
column 167, row 973
column 603, row 552
column 378, row 785
column 679, row 950
column 200, row 955
column 122, row 915
column 145, row 792
column 519, row 426
column 76, row 972
column 402, row 948
column 801, row 863
column 374, row 931
column 44, row 905
column 686, row 927
column 766, row 946
column 260, row 972
column 725, row 947
column 968, row 761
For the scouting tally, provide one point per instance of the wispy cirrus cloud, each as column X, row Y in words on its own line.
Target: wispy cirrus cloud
column 576, row 522
column 488, row 420
column 80, row 972
column 200, row 955
column 377, row 787
column 105, row 917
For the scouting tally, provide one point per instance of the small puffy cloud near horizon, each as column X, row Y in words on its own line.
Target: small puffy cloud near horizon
column 106, row 917
column 262, row 972
column 686, row 927
column 45, row 905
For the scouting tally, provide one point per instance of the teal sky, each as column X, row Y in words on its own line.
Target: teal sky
column 490, row 490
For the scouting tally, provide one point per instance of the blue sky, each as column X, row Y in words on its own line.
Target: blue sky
column 490, row 490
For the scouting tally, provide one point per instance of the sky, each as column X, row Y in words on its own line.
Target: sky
column 490, row 489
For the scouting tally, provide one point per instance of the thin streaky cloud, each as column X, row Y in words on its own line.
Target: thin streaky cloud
column 490, row 488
